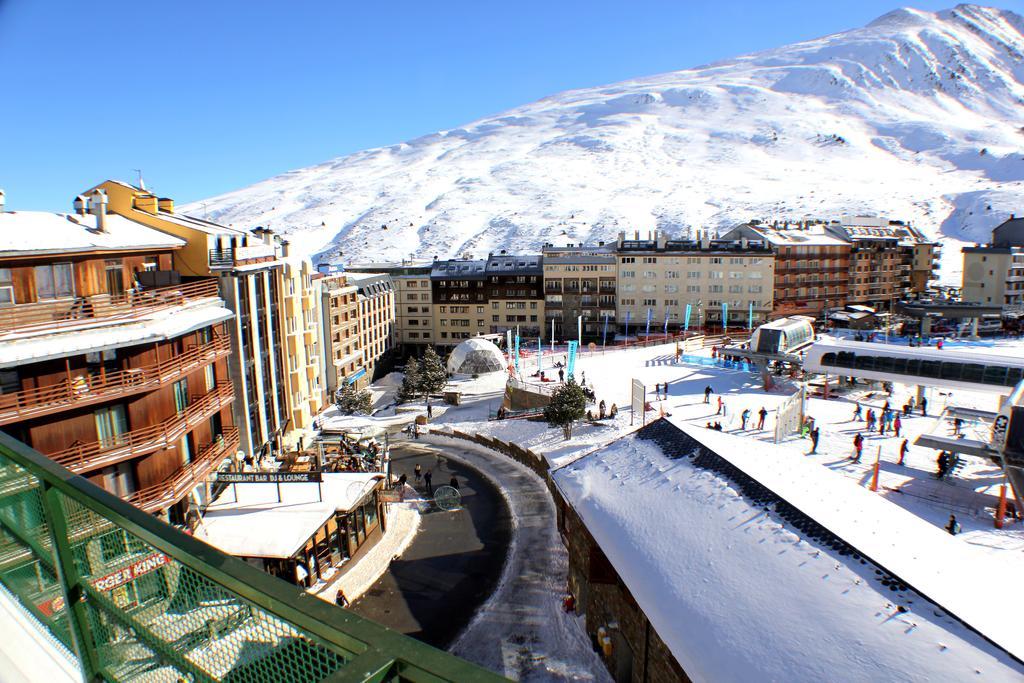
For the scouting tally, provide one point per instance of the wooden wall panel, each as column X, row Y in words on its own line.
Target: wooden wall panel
column 60, row 434
column 154, row 468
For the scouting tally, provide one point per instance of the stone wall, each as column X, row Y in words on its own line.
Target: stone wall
column 638, row 654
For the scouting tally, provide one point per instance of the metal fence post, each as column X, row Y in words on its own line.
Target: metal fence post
column 70, row 582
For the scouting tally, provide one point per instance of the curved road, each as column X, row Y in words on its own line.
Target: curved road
column 455, row 560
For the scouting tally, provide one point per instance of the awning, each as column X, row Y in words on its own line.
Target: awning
column 355, row 376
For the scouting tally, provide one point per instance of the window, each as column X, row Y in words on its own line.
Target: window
column 672, row 274
column 693, row 289
column 629, row 273
column 716, row 259
column 650, row 259
column 54, row 281
column 650, row 302
column 111, row 423
column 628, row 259
column 693, row 274
column 650, row 274
column 735, row 274
column 6, row 287
column 716, row 275
column 671, row 289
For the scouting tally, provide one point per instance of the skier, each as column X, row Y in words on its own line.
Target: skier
column 896, row 424
column 427, row 477
column 815, row 433
column 744, row 416
column 762, row 414
column 417, row 472
column 953, row 526
column 904, row 448
column 720, row 404
column 707, row 394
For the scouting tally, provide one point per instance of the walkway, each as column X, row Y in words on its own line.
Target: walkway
column 522, row 632
column 452, row 564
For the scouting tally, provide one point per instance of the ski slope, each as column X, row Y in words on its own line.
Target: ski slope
column 915, row 116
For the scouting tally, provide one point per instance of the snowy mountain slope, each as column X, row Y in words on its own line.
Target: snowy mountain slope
column 916, row 116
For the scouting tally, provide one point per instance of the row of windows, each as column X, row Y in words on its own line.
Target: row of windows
column 695, row 274
column 998, row 375
column 733, row 260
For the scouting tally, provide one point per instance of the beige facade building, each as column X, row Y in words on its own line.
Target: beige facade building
column 994, row 272
column 301, row 317
column 358, row 310
column 414, row 322
column 579, row 291
column 661, row 276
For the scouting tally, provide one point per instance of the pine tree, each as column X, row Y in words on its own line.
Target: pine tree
column 432, row 375
column 568, row 404
column 410, row 381
column 351, row 400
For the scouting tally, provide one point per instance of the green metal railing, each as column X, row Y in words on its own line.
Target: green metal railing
column 136, row 600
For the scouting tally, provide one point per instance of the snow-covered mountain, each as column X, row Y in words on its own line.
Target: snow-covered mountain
column 916, row 116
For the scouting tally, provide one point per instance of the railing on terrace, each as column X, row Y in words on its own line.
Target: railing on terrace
column 82, row 457
column 134, row 599
column 66, row 314
column 83, row 389
column 174, row 488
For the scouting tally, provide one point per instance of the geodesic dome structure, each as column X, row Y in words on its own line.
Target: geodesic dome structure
column 475, row 357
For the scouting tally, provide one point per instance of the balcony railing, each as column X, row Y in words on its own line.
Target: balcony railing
column 229, row 258
column 174, row 488
column 82, row 457
column 83, row 390
column 132, row 598
column 101, row 309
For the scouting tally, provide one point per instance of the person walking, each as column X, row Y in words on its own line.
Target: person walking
column 762, row 414
column 953, row 526
column 454, row 482
column 707, row 394
column 561, row 375
column 815, row 433
column 881, row 424
column 430, row 411
column 904, row 449
column 744, row 416
column 427, row 479
column 869, row 420
column 858, row 445
column 856, row 412
column 417, row 472
column 958, row 424
column 720, row 404
column 924, row 407
column 896, row 424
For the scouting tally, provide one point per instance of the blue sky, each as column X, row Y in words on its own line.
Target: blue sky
column 206, row 96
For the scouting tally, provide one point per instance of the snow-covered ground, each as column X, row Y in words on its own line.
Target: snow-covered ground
column 915, row 116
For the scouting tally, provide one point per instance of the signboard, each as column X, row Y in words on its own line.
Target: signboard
column 268, row 477
column 638, row 398
column 113, row 580
column 389, row 496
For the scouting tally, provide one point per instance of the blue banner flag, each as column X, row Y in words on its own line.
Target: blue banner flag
column 686, row 319
column 604, row 335
column 725, row 315
column 627, row 326
column 570, row 365
column 665, row 331
column 647, row 332
column 517, row 353
column 750, row 317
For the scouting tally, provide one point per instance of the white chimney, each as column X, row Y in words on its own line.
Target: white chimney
column 2, row 201
column 98, row 208
column 81, row 205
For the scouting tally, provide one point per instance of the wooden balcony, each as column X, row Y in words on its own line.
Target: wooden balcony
column 49, row 317
column 177, row 486
column 83, row 457
column 83, row 390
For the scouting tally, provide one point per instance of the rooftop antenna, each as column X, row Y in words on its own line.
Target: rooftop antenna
column 142, row 184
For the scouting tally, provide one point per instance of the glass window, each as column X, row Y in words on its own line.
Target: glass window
column 951, row 371
column 54, row 281
column 930, row 368
column 994, row 374
column 972, row 372
column 111, row 423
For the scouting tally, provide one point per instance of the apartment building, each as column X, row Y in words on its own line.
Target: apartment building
column 111, row 364
column 249, row 272
column 658, row 277
column 515, row 294
column 414, row 321
column 579, row 290
column 812, row 266
column 881, row 259
column 994, row 272
column 301, row 316
column 358, row 326
column 458, row 290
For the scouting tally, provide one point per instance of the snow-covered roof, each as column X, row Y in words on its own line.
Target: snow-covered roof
column 31, row 347
column 26, row 233
column 248, row 521
column 738, row 593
